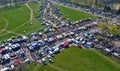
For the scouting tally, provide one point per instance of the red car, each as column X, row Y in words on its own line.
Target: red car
column 66, row 45
column 80, row 46
column 2, row 50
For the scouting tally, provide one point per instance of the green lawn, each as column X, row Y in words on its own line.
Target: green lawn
column 81, row 2
column 34, row 67
column 2, row 23
column 16, row 16
column 7, row 36
column 18, row 19
column 74, row 15
column 89, row 3
column 35, row 23
column 75, row 59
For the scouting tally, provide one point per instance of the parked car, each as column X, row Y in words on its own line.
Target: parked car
column 43, row 60
column 80, row 46
column 51, row 60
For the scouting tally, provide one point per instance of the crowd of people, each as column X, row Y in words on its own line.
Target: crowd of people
column 60, row 33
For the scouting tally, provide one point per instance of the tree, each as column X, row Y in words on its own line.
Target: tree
column 103, row 27
column 107, row 8
column 114, row 29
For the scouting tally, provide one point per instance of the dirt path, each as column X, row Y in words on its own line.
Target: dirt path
column 13, row 29
column 14, row 33
column 57, row 68
column 7, row 23
column 31, row 17
column 31, row 14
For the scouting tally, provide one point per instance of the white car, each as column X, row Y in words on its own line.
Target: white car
column 115, row 54
column 43, row 60
column 107, row 50
column 56, row 50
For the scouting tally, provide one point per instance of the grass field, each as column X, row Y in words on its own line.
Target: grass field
column 82, row 2
column 15, row 17
column 74, row 15
column 75, row 59
column 35, row 23
column 16, row 20
column 89, row 3
column 2, row 23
